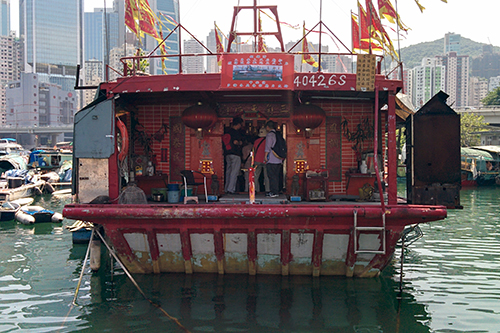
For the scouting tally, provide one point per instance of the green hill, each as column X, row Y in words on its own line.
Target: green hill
column 412, row 55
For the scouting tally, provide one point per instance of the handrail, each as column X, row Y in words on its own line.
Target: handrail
column 375, row 151
column 135, row 60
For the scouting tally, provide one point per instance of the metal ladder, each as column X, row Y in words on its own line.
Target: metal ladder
column 361, row 229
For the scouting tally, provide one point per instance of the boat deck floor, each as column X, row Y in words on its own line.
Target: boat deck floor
column 243, row 198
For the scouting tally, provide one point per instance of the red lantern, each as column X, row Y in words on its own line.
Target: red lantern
column 307, row 117
column 199, row 117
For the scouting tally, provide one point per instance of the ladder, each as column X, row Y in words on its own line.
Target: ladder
column 368, row 229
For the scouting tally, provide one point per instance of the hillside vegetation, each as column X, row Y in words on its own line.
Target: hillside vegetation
column 412, row 55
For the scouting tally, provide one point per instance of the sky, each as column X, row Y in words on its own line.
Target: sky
column 476, row 20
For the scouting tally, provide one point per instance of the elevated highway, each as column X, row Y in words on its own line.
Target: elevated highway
column 491, row 114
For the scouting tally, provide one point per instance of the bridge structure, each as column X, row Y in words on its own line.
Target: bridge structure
column 55, row 130
column 32, row 136
column 491, row 114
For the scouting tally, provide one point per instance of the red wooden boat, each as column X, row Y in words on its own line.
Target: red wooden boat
column 176, row 122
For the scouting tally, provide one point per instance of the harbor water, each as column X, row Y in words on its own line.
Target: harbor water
column 451, row 283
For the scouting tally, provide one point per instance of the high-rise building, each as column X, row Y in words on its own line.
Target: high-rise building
column 212, row 66
column 191, row 65
column 478, row 89
column 457, row 78
column 451, row 43
column 101, row 33
column 494, row 83
column 9, row 67
column 52, row 35
column 4, row 17
column 33, row 101
column 168, row 13
column 426, row 81
column 115, row 55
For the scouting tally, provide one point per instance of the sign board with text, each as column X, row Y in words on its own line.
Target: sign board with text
column 365, row 72
column 257, row 71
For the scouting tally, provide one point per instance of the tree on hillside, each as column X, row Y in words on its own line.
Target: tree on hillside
column 471, row 123
column 493, row 97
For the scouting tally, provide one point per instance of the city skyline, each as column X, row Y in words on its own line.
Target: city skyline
column 476, row 22
column 450, row 17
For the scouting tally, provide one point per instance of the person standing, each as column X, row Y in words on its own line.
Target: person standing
column 232, row 142
column 273, row 162
column 246, row 161
column 259, row 147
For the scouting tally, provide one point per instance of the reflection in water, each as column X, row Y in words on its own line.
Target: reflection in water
column 242, row 303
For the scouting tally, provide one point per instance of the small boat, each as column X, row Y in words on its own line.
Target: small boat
column 37, row 214
column 480, row 165
column 8, row 210
column 24, row 201
column 62, row 193
column 15, row 190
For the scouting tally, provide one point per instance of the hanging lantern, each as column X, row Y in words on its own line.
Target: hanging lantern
column 307, row 117
column 199, row 117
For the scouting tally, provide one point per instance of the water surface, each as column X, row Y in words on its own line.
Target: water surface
column 451, row 284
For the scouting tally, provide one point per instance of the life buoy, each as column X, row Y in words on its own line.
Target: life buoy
column 123, row 151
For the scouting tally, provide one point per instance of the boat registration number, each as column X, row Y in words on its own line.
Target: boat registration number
column 313, row 80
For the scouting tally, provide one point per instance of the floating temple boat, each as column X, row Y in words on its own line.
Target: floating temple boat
column 332, row 122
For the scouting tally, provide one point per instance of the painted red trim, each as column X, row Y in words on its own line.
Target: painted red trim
column 252, row 246
column 186, row 245
column 392, row 152
column 219, row 245
column 286, row 255
column 244, row 216
column 153, row 244
column 318, row 248
column 212, row 82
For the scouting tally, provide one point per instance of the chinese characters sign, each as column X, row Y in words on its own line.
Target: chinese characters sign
column 334, row 148
column 177, row 148
column 257, row 71
column 365, row 73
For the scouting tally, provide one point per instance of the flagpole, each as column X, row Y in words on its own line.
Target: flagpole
column 399, row 45
column 360, row 27
column 320, row 33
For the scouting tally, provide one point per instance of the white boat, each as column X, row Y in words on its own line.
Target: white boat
column 9, row 193
column 8, row 209
column 62, row 193
column 37, row 214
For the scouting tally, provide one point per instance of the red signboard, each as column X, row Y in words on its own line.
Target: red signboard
column 257, row 71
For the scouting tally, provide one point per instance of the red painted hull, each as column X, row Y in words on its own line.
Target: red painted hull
column 254, row 239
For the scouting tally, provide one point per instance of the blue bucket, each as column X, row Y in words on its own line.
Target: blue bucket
column 173, row 187
column 173, row 196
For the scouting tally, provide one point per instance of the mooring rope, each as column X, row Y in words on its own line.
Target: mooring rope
column 73, row 303
column 83, row 269
column 175, row 320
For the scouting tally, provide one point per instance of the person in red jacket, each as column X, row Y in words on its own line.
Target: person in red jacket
column 259, row 147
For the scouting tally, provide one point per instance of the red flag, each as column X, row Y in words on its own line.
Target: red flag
column 131, row 15
column 218, row 45
column 362, row 45
column 376, row 27
column 306, row 57
column 147, row 19
column 387, row 11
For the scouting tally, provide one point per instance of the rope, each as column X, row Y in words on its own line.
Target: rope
column 175, row 320
column 83, row 269
column 73, row 303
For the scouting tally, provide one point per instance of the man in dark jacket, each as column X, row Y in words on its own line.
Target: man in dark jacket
column 233, row 142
